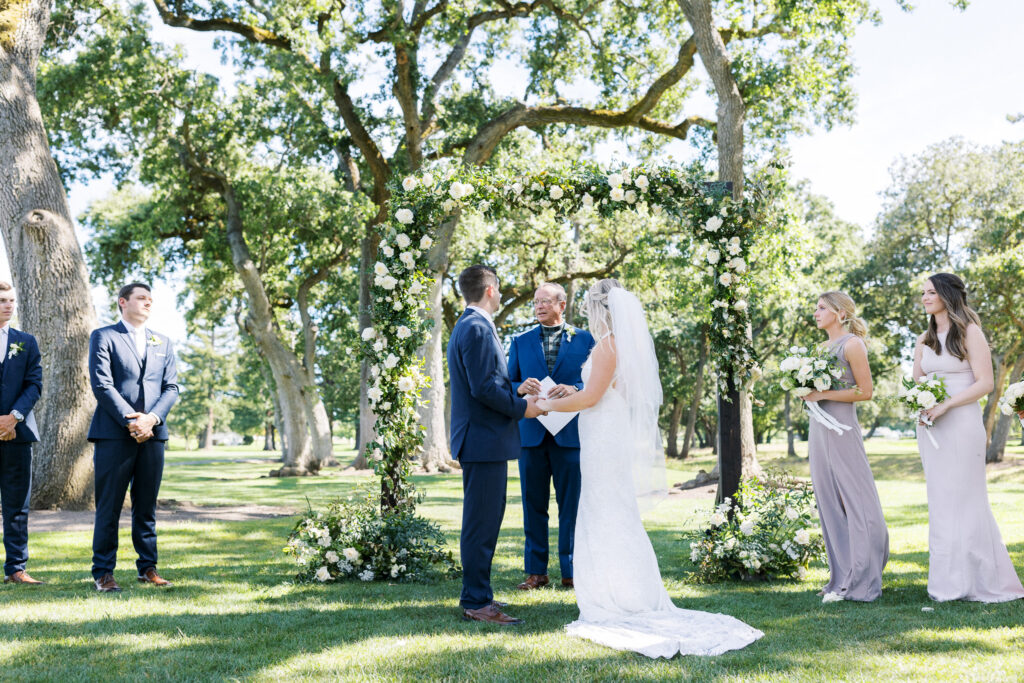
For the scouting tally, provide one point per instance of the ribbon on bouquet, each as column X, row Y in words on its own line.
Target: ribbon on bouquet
column 824, row 418
column 928, row 428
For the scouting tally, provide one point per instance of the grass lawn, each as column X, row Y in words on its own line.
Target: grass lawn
column 234, row 614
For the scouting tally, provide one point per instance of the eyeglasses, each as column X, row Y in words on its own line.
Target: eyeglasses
column 545, row 302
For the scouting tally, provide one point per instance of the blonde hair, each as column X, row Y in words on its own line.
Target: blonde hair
column 598, row 312
column 845, row 309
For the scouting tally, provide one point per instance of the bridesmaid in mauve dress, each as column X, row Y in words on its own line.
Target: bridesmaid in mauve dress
column 967, row 558
column 856, row 538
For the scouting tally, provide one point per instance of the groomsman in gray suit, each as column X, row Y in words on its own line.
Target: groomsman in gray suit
column 21, row 381
column 134, row 377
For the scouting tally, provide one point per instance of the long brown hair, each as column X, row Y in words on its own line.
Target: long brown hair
column 953, row 293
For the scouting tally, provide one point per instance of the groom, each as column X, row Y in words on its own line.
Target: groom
column 556, row 350
column 134, row 378
column 484, row 437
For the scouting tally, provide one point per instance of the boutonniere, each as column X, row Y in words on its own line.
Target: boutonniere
column 153, row 341
column 15, row 349
column 570, row 332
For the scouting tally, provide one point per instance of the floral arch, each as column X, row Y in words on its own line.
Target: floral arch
column 723, row 230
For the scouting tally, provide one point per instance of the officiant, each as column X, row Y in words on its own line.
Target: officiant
column 547, row 361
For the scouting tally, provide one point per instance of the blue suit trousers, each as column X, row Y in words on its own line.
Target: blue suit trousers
column 537, row 467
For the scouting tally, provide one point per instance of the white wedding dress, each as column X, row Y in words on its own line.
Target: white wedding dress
column 623, row 602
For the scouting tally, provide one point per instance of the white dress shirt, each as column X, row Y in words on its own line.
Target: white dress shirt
column 3, row 342
column 139, row 336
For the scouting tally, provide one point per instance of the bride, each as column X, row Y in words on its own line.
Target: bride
column 623, row 603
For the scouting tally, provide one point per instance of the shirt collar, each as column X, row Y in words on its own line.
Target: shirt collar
column 552, row 329
column 6, row 328
column 132, row 330
column 483, row 311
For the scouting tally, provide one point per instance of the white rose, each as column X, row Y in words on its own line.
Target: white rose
column 714, row 256
column 588, row 201
column 791, row 514
column 388, row 282
column 484, row 205
column 517, row 188
column 331, row 556
column 380, row 269
column 449, row 205
column 404, row 216
column 415, row 287
column 387, row 251
column 409, row 184
column 425, row 242
column 394, row 571
column 402, row 240
column 391, row 361
column 821, row 384
column 801, row 573
column 369, row 333
column 642, row 183
column 747, row 527
column 713, row 224
column 801, row 391
column 455, row 190
column 630, row 197
column 403, row 332
column 615, row 180
column 555, row 192
column 427, row 179
column 820, row 364
column 740, row 305
column 406, row 384
column 726, row 279
column 927, row 400
column 617, row 194
column 717, row 519
column 803, row 537
column 374, row 394
column 407, row 260
column 323, row 574
column 351, row 554
column 738, row 264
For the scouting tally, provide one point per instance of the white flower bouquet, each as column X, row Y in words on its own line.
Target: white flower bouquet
column 922, row 395
column 1013, row 400
column 804, row 371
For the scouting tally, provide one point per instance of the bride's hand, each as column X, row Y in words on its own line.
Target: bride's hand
column 544, row 405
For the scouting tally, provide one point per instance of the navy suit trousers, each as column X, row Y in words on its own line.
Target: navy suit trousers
column 120, row 462
column 483, row 507
column 537, row 467
column 15, row 489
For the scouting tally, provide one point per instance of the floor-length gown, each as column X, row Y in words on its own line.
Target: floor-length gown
column 967, row 559
column 622, row 600
column 856, row 538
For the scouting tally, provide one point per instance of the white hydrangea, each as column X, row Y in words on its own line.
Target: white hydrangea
column 366, row 575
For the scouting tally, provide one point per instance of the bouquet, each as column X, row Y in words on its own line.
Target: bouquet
column 1013, row 400
column 923, row 395
column 804, row 372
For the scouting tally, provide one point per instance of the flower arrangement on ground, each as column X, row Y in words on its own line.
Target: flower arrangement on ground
column 922, row 395
column 768, row 531
column 356, row 540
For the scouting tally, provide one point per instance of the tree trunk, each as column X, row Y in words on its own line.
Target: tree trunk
column 47, row 266
column 366, row 433
column 698, row 392
column 206, row 438
column 790, row 432
column 675, row 417
column 729, row 129
column 320, row 426
column 874, row 427
column 999, row 372
column 728, row 442
column 268, row 436
column 436, row 455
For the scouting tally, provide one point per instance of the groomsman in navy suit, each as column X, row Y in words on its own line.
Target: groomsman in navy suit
column 134, row 377
column 21, row 381
column 484, row 437
column 558, row 350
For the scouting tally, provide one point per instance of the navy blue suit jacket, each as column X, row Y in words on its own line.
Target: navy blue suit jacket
column 124, row 383
column 485, row 407
column 526, row 359
column 21, row 382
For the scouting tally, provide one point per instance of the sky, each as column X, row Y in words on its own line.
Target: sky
column 923, row 77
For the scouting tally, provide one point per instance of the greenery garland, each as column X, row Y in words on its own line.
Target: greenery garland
column 723, row 232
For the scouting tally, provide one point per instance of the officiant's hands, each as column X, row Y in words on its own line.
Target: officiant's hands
column 532, row 408
column 529, row 387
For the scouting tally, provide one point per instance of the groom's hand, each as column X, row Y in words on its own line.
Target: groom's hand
column 531, row 408
column 530, row 387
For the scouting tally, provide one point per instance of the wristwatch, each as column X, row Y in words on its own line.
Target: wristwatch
column 18, row 416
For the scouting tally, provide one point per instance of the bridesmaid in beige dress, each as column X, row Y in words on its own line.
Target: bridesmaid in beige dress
column 967, row 557
column 856, row 538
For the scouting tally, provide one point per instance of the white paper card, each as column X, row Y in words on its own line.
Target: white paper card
column 553, row 422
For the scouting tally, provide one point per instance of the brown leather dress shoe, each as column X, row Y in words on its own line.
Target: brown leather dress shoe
column 106, row 584
column 491, row 615
column 498, row 604
column 150, row 576
column 568, row 583
column 22, row 577
column 534, row 581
